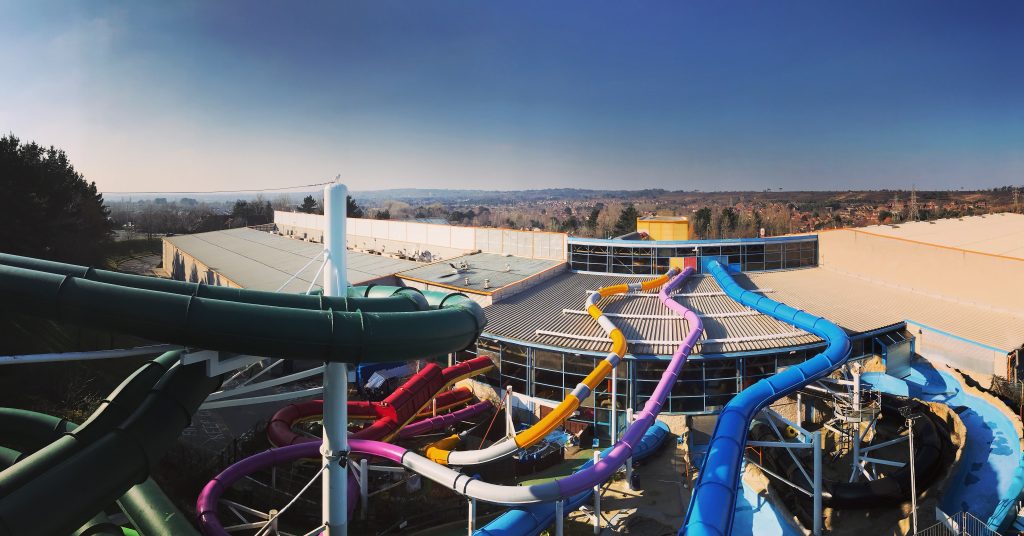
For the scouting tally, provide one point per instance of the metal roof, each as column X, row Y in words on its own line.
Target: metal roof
column 860, row 305
column 540, row 309
column 264, row 261
column 995, row 234
column 499, row 270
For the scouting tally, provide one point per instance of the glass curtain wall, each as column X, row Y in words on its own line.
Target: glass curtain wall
column 654, row 259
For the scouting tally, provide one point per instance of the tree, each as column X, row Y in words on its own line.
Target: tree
column 308, row 205
column 49, row 209
column 353, row 210
column 257, row 212
column 591, row 222
column 702, row 222
column 627, row 221
column 382, row 215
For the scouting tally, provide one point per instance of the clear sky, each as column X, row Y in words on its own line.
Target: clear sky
column 698, row 94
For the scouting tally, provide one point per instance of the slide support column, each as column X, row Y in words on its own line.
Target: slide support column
column 335, row 448
column 816, row 445
column 597, row 498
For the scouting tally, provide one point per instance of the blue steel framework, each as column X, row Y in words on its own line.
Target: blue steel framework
column 705, row 385
column 643, row 257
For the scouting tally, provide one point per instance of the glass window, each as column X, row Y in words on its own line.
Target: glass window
column 513, row 353
column 689, row 404
column 545, row 359
column 720, row 368
column 578, row 364
column 548, row 377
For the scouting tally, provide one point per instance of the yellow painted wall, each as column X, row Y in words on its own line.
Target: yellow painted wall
column 665, row 230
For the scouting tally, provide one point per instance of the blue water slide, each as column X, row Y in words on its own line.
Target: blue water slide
column 712, row 506
column 532, row 519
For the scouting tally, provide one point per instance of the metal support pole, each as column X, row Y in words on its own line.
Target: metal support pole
column 629, row 461
column 597, row 498
column 273, row 523
column 364, row 487
column 816, row 446
column 913, row 477
column 799, row 409
column 471, row 523
column 559, row 517
column 334, row 509
column 510, row 427
column 615, row 414
column 856, row 425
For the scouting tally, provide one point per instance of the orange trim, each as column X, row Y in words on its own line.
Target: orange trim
column 538, row 274
column 442, row 285
column 951, row 248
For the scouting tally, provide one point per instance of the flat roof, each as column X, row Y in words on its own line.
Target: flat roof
column 264, row 261
column 859, row 305
column 552, row 314
column 499, row 270
column 994, row 234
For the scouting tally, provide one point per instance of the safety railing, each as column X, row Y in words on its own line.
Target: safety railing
column 959, row 524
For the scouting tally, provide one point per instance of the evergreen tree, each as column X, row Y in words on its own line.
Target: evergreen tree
column 49, row 209
column 627, row 221
column 308, row 205
column 353, row 210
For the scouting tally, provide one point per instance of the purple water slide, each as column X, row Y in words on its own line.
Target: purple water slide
column 622, row 450
column 206, row 505
column 209, row 497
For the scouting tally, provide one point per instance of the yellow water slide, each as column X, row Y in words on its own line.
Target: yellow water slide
column 441, row 452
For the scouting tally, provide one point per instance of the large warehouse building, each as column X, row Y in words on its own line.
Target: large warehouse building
column 897, row 290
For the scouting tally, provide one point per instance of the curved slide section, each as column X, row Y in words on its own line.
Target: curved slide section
column 440, row 452
column 714, row 496
column 632, row 440
column 113, row 450
column 394, row 412
column 206, row 504
column 640, row 439
column 145, row 504
column 375, row 298
column 533, row 519
column 347, row 335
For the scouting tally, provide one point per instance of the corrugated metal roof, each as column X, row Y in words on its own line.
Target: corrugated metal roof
column 500, row 270
column 541, row 309
column 861, row 305
column 996, row 234
column 264, row 261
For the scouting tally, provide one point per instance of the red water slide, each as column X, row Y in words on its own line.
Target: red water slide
column 390, row 415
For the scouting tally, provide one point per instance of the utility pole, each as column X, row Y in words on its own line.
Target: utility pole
column 1016, row 200
column 914, row 215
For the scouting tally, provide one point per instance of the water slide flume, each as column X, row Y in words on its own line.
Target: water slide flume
column 713, row 503
column 346, row 329
column 398, row 409
column 440, row 452
column 636, row 442
column 115, row 449
column 206, row 505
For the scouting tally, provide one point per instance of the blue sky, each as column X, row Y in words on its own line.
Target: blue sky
column 688, row 95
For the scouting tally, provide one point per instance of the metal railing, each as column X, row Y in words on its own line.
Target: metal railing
column 959, row 524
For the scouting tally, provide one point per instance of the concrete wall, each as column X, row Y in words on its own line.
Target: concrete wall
column 183, row 267
column 979, row 279
column 443, row 241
